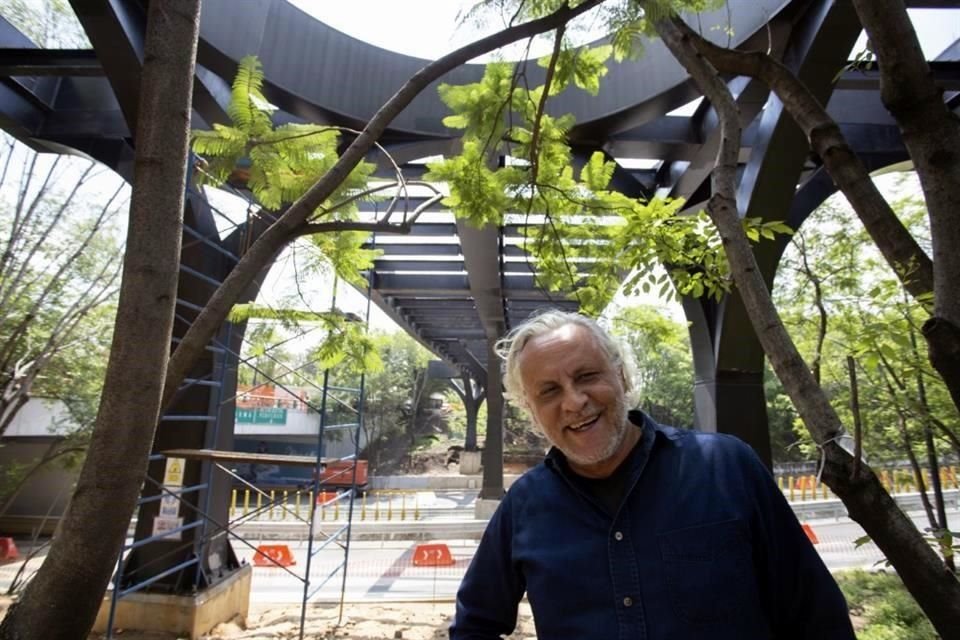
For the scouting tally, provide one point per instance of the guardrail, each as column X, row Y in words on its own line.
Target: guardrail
column 397, row 504
column 395, row 512
column 386, row 504
column 800, row 488
column 834, row 508
column 467, row 528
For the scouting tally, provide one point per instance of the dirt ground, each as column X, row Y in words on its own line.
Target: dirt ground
column 361, row 621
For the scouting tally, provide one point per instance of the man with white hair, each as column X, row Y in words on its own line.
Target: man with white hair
column 630, row 529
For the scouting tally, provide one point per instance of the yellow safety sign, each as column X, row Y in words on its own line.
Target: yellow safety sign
column 173, row 474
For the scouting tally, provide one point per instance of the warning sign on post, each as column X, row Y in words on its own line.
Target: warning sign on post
column 163, row 525
column 173, row 474
column 169, row 506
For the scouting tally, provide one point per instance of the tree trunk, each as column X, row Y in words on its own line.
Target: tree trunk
column 943, row 349
column 62, row 601
column 930, row 131
column 934, row 587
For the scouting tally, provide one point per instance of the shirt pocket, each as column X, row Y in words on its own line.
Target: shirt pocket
column 708, row 571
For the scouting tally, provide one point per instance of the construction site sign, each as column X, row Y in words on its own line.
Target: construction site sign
column 162, row 526
column 173, row 473
column 169, row 506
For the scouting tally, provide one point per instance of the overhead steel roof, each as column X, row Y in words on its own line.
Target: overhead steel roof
column 452, row 286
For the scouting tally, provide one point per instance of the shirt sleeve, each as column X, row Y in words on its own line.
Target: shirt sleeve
column 490, row 593
column 804, row 601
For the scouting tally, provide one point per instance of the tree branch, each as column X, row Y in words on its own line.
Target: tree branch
column 541, row 106
column 866, row 500
column 272, row 241
column 899, row 248
column 930, row 131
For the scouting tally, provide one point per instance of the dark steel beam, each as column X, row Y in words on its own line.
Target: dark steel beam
column 418, row 265
column 946, row 73
column 396, row 249
column 432, row 302
column 481, row 255
column 49, row 62
column 116, row 29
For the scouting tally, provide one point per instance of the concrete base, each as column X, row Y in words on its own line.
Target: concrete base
column 190, row 616
column 470, row 463
column 483, row 508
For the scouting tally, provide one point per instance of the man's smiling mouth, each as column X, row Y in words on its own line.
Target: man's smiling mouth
column 585, row 424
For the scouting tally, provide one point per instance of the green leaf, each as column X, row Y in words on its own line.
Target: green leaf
column 597, row 172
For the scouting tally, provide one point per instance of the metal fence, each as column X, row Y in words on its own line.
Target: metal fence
column 801, row 487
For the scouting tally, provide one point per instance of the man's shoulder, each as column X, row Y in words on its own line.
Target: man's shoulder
column 531, row 478
column 702, row 442
column 532, row 483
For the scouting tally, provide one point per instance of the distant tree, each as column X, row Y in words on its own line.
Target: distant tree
column 661, row 347
column 389, row 393
column 840, row 299
column 49, row 23
column 59, row 273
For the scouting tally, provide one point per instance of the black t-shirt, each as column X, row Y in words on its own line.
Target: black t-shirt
column 609, row 491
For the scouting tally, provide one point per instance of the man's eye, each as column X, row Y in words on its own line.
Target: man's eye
column 547, row 391
column 588, row 375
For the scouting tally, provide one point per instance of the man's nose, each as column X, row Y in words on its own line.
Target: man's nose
column 573, row 398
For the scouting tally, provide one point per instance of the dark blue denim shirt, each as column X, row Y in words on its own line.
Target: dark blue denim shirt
column 703, row 545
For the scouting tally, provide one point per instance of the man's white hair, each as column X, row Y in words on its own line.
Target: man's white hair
column 510, row 346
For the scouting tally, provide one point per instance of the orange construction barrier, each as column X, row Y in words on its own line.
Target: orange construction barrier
column 8, row 550
column 807, row 529
column 432, row 555
column 273, row 555
column 325, row 496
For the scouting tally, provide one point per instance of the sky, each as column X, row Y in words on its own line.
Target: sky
column 430, row 28
column 421, row 28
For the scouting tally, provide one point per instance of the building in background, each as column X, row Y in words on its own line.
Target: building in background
column 284, row 421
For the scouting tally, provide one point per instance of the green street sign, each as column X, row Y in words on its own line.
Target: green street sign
column 262, row 415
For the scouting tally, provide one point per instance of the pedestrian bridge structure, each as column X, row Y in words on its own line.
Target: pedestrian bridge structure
column 456, row 288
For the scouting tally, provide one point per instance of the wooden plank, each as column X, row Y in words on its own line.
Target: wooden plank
column 243, row 457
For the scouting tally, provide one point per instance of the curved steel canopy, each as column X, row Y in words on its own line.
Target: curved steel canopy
column 460, row 286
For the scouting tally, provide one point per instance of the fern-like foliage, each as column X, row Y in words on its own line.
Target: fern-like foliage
column 278, row 164
column 346, row 343
column 244, row 312
column 249, row 109
column 586, row 239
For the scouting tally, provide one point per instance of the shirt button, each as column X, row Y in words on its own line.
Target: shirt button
column 628, row 601
column 618, row 536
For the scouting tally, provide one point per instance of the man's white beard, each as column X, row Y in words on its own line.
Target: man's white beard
column 619, row 420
